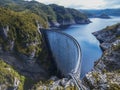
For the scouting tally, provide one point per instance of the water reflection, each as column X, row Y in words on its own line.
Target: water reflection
column 89, row 44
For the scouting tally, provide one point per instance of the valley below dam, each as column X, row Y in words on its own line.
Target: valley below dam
column 90, row 48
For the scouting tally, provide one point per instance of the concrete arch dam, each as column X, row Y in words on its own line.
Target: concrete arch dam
column 65, row 51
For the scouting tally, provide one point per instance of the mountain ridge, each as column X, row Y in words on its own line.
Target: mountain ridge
column 47, row 12
column 93, row 12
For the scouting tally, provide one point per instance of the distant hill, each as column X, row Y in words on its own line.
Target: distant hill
column 104, row 16
column 54, row 15
column 110, row 12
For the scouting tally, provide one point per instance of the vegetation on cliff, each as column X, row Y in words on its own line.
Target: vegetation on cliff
column 50, row 13
column 10, row 78
column 105, row 74
column 22, row 30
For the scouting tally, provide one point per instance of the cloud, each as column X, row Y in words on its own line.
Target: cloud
column 86, row 4
column 112, row 3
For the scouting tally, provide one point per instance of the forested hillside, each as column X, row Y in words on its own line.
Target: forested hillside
column 54, row 15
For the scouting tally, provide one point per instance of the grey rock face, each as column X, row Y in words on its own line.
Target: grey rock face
column 106, row 37
column 12, row 87
column 34, row 70
column 53, row 24
column 16, row 84
column 11, row 45
column 105, row 46
column 104, row 16
column 4, row 32
column 3, row 87
column 118, row 30
column 105, row 74
column 86, row 21
column 65, row 22
column 61, row 83
column 1, row 49
column 96, row 81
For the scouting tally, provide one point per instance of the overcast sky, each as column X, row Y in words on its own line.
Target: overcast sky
column 85, row 4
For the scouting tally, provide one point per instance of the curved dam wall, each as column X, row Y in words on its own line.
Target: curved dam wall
column 65, row 51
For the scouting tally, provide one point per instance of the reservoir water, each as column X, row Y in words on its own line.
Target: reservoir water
column 89, row 44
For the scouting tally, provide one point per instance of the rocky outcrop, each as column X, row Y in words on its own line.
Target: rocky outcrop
column 21, row 46
column 57, row 84
column 53, row 24
column 104, row 16
column 86, row 21
column 65, row 23
column 4, row 32
column 10, row 45
column 12, row 87
column 108, row 36
column 105, row 74
column 9, row 78
column 67, row 16
column 4, row 35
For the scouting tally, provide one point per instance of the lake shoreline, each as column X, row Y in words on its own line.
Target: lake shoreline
column 108, row 65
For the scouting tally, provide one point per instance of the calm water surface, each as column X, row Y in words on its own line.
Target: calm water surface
column 89, row 44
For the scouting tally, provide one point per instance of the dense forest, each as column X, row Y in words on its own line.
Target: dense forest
column 52, row 14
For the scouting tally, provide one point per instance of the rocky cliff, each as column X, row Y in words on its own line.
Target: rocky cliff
column 106, row 72
column 10, row 78
column 21, row 46
column 24, row 61
column 68, row 16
